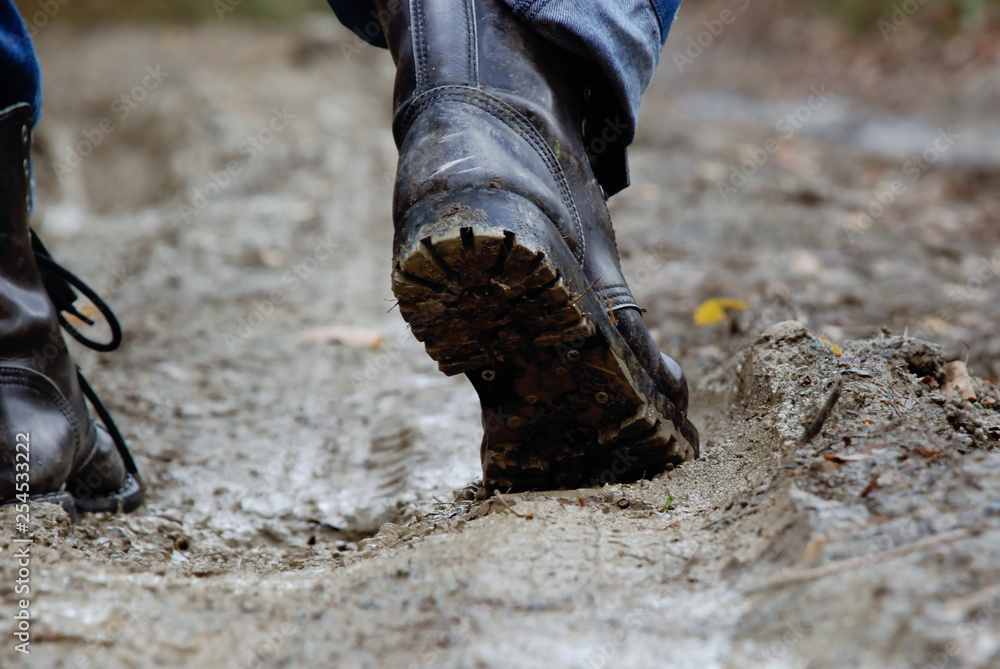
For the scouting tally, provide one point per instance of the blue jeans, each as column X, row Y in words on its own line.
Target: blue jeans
column 622, row 37
column 21, row 77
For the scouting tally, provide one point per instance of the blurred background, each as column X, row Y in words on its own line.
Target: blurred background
column 835, row 163
column 99, row 11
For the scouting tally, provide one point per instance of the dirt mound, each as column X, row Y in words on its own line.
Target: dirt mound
column 894, row 501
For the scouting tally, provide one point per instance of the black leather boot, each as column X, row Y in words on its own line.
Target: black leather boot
column 50, row 447
column 505, row 262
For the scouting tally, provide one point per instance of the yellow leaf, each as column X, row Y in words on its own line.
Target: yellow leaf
column 713, row 310
column 833, row 347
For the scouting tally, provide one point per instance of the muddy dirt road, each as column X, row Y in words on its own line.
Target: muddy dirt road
column 310, row 502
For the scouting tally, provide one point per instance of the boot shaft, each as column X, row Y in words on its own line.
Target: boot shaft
column 484, row 102
column 15, row 190
column 40, row 393
column 476, row 44
column 482, row 45
column 30, row 335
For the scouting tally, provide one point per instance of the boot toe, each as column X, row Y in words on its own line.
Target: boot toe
column 40, row 436
column 679, row 385
column 103, row 475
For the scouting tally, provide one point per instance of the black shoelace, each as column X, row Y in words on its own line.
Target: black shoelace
column 61, row 285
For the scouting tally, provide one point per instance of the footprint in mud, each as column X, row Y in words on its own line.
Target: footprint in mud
column 390, row 459
column 377, row 496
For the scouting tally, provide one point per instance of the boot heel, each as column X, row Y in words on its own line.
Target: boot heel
column 476, row 279
column 487, row 283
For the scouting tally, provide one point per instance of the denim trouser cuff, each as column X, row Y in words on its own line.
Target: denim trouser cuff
column 21, row 79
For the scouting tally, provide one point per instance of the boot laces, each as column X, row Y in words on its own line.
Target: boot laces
column 62, row 286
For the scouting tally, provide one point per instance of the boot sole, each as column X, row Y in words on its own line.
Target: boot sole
column 59, row 498
column 489, row 286
column 126, row 499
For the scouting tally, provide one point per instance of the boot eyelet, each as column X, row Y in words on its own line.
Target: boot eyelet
column 24, row 134
column 583, row 127
column 587, row 94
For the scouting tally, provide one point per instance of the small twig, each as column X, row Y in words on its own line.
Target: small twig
column 500, row 497
column 580, row 296
column 817, row 423
column 850, row 564
column 891, row 406
column 728, row 518
column 611, row 307
column 640, row 558
column 879, row 433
